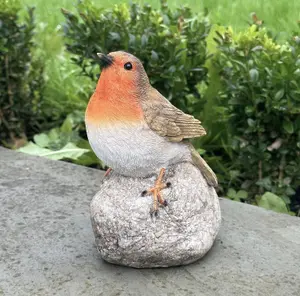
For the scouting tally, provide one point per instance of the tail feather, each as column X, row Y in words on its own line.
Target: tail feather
column 207, row 172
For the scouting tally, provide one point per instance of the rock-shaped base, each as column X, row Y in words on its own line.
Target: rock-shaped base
column 182, row 233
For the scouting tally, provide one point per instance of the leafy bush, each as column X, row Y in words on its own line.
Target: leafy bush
column 21, row 80
column 66, row 90
column 261, row 97
column 171, row 44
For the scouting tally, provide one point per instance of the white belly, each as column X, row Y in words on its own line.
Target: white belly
column 135, row 150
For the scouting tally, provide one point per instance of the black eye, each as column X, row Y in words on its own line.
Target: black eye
column 128, row 66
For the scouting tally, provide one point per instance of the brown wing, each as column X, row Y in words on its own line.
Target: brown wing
column 168, row 121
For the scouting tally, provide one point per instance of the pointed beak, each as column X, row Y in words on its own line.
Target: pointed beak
column 105, row 60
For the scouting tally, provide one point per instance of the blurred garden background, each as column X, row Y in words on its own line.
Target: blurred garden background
column 235, row 66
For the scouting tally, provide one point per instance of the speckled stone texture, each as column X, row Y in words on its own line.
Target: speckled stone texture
column 182, row 233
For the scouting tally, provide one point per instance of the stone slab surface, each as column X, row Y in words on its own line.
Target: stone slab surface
column 47, row 244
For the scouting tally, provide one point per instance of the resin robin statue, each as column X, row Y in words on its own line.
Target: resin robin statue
column 135, row 130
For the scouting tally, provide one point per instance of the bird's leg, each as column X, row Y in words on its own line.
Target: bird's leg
column 155, row 191
column 107, row 172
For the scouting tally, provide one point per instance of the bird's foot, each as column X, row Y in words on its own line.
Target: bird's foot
column 158, row 200
column 107, row 172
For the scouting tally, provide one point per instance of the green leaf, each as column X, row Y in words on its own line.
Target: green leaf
column 41, row 140
column 237, row 196
column 201, row 151
column 231, row 193
column 234, row 174
column 197, row 70
column 297, row 72
column 67, row 125
column 251, row 122
column 69, row 151
column 242, row 194
column 115, row 36
column 253, row 75
column 265, row 183
column 54, row 134
column 144, row 40
column 88, row 158
column 34, row 149
column 272, row 202
column 234, row 101
column 288, row 126
column 154, row 55
column 279, row 94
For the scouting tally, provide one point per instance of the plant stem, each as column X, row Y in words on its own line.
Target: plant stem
column 9, row 93
column 281, row 167
column 9, row 88
column 260, row 175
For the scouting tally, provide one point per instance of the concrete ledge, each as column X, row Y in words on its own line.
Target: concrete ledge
column 47, row 244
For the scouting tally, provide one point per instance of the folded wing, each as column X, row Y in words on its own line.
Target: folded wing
column 167, row 120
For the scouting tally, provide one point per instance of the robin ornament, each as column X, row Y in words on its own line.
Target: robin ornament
column 135, row 130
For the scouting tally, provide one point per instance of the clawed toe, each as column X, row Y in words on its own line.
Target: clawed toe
column 144, row 193
column 158, row 200
column 107, row 172
column 154, row 212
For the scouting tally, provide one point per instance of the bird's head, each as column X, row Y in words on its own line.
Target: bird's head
column 123, row 70
column 122, row 84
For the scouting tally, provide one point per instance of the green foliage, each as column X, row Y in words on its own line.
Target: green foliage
column 66, row 91
column 69, row 151
column 10, row 7
column 171, row 44
column 21, row 80
column 261, row 99
column 240, row 195
column 63, row 143
column 272, row 202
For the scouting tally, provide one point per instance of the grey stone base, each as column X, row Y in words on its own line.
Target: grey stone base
column 182, row 233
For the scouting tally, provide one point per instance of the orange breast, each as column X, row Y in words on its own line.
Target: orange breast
column 103, row 110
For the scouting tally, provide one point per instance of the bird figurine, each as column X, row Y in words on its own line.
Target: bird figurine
column 135, row 130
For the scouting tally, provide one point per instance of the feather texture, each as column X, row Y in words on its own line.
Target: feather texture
column 167, row 120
